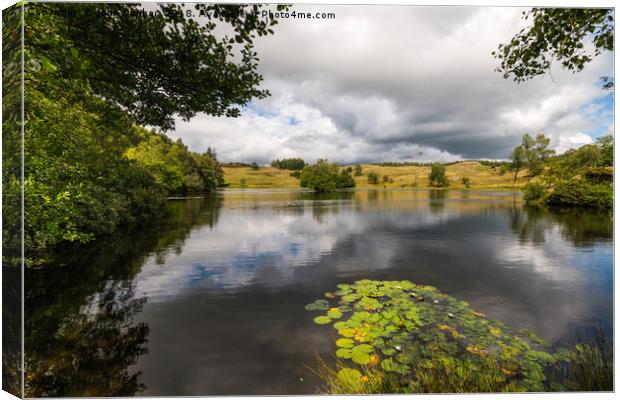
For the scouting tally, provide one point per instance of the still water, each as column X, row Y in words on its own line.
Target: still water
column 211, row 301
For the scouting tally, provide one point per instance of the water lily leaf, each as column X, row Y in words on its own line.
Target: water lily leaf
column 360, row 358
column 347, row 332
column 350, row 297
column 322, row 320
column 349, row 376
column 318, row 305
column 345, row 343
column 363, row 348
column 390, row 365
column 343, row 353
column 341, row 325
column 334, row 313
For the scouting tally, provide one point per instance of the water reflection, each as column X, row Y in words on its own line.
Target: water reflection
column 216, row 294
column 81, row 333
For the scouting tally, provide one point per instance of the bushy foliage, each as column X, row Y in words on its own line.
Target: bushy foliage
column 373, row 178
column 466, row 181
column 83, row 101
column 289, row 163
column 598, row 175
column 358, row 170
column 437, row 176
column 325, row 177
column 558, row 34
column 345, row 180
column 580, row 193
column 534, row 192
column 77, row 183
column 156, row 65
column 175, row 168
column 579, row 177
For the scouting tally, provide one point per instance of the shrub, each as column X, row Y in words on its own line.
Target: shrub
column 582, row 194
column 295, row 174
column 438, row 177
column 325, row 176
column 534, row 192
column 344, row 180
column 373, row 178
column 465, row 181
column 598, row 175
column 296, row 164
column 254, row 166
column 358, row 170
column 386, row 178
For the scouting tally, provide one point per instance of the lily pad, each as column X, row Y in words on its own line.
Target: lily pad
column 345, row 343
column 322, row 320
column 318, row 305
column 349, row 376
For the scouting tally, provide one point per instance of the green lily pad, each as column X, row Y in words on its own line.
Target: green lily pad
column 345, row 343
column 334, row 313
column 322, row 320
column 349, row 376
column 343, row 353
column 318, row 305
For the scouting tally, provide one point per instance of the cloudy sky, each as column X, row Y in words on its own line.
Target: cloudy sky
column 401, row 83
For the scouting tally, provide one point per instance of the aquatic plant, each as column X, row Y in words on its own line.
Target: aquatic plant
column 396, row 336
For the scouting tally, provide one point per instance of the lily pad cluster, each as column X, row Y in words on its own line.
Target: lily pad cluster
column 400, row 328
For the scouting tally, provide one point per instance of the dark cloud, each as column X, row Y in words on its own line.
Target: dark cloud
column 400, row 82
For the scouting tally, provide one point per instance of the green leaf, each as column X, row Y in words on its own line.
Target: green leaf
column 345, row 343
column 349, row 376
column 47, row 64
column 322, row 320
column 343, row 353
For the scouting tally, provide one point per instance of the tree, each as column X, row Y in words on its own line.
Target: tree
column 254, row 166
column 535, row 152
column 94, row 73
column 345, row 180
column 437, row 176
column 174, row 167
column 465, row 181
column 517, row 158
column 606, row 146
column 295, row 164
column 373, row 178
column 325, row 177
column 358, row 170
column 556, row 34
column 151, row 65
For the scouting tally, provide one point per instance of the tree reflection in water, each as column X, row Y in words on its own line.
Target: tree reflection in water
column 90, row 351
column 82, row 336
column 582, row 227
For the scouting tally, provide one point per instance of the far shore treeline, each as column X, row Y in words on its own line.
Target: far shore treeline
column 581, row 177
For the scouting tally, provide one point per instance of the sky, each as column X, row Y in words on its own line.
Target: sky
column 401, row 83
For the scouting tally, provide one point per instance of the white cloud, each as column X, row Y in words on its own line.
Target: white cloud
column 400, row 83
column 572, row 142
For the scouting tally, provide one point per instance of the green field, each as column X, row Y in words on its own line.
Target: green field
column 481, row 177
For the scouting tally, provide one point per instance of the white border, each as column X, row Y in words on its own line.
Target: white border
column 489, row 3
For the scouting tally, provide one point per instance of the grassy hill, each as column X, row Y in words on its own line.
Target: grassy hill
column 481, row 177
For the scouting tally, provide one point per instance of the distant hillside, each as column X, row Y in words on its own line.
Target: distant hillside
column 480, row 176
